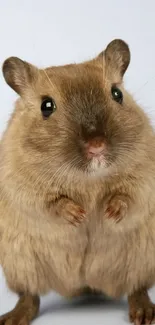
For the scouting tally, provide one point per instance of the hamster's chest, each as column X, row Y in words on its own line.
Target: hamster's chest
column 87, row 195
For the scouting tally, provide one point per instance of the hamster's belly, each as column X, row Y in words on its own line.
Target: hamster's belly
column 118, row 263
column 65, row 259
column 46, row 259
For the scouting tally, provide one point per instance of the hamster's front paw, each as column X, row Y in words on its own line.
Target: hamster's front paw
column 116, row 207
column 72, row 212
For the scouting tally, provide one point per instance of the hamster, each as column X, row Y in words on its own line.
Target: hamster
column 77, row 186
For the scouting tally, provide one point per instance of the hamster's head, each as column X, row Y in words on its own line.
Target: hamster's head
column 77, row 117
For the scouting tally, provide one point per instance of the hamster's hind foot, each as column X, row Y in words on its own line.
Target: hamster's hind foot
column 141, row 309
column 26, row 310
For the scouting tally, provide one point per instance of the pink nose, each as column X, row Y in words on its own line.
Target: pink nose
column 95, row 147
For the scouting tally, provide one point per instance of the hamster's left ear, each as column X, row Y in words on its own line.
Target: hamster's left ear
column 18, row 74
column 117, row 58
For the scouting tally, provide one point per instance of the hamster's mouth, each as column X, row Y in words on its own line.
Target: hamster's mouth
column 97, row 162
column 96, row 158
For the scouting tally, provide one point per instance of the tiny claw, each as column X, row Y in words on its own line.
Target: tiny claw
column 108, row 210
column 82, row 212
column 139, row 317
column 111, row 214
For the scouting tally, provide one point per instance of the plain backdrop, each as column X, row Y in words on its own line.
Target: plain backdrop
column 53, row 32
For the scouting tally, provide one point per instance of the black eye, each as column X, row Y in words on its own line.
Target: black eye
column 117, row 94
column 48, row 107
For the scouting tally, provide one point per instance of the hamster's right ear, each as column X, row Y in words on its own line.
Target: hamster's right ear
column 18, row 74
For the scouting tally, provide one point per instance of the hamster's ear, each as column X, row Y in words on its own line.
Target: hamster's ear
column 18, row 74
column 117, row 58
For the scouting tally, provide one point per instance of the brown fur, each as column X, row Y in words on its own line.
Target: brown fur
column 42, row 162
column 141, row 309
column 26, row 310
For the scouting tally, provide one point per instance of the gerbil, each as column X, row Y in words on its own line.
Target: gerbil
column 77, row 186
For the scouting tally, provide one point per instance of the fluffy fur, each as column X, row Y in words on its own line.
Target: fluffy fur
column 42, row 161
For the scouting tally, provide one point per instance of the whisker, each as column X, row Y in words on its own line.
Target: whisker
column 47, row 76
column 63, row 167
column 140, row 88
